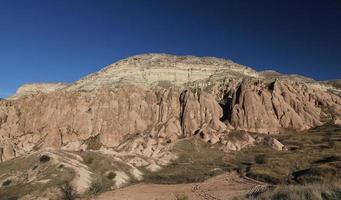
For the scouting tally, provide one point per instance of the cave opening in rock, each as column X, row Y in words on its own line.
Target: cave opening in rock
column 226, row 105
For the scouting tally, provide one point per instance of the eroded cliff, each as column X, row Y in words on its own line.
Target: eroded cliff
column 157, row 99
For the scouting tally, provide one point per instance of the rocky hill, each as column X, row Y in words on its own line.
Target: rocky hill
column 150, row 69
column 155, row 99
column 161, row 118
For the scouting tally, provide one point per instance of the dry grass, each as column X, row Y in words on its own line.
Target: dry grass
column 68, row 193
column 302, row 192
column 313, row 156
column 99, row 164
column 313, row 159
column 181, row 197
column 20, row 186
column 197, row 162
column 93, row 143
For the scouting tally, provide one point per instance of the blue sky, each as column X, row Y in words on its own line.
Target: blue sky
column 63, row 40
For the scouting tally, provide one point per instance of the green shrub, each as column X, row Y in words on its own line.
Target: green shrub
column 88, row 160
column 44, row 158
column 93, row 143
column 7, row 182
column 260, row 159
column 96, row 187
column 111, row 175
column 68, row 193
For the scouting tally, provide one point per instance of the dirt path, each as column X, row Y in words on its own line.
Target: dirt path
column 222, row 187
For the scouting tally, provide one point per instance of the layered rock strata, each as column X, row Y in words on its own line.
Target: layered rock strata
column 165, row 98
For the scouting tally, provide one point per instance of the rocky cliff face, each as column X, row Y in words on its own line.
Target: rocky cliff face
column 162, row 98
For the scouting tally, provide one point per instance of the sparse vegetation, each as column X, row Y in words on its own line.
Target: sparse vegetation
column 260, row 159
column 93, row 143
column 19, row 169
column 68, row 193
column 111, row 175
column 312, row 160
column 302, row 192
column 96, row 187
column 197, row 161
column 181, row 197
column 44, row 158
column 102, row 166
column 88, row 160
column 309, row 170
column 9, row 198
column 7, row 182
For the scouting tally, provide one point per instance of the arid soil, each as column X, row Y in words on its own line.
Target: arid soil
column 227, row 186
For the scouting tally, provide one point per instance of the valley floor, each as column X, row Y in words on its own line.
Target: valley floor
column 228, row 186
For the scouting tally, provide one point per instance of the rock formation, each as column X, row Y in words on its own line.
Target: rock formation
column 35, row 88
column 165, row 98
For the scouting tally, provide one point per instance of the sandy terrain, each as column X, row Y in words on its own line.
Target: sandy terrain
column 222, row 187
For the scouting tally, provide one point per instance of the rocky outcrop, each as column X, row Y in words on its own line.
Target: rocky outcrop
column 274, row 143
column 258, row 106
column 237, row 141
column 58, row 119
column 35, row 88
column 200, row 114
column 163, row 98
column 151, row 69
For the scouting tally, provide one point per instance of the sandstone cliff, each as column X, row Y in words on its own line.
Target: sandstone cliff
column 163, row 98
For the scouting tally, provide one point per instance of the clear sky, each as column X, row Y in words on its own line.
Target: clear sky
column 63, row 40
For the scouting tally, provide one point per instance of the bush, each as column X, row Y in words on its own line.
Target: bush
column 44, row 158
column 302, row 192
column 96, row 187
column 260, row 159
column 6, row 183
column 88, row 160
column 93, row 143
column 111, row 175
column 68, row 192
